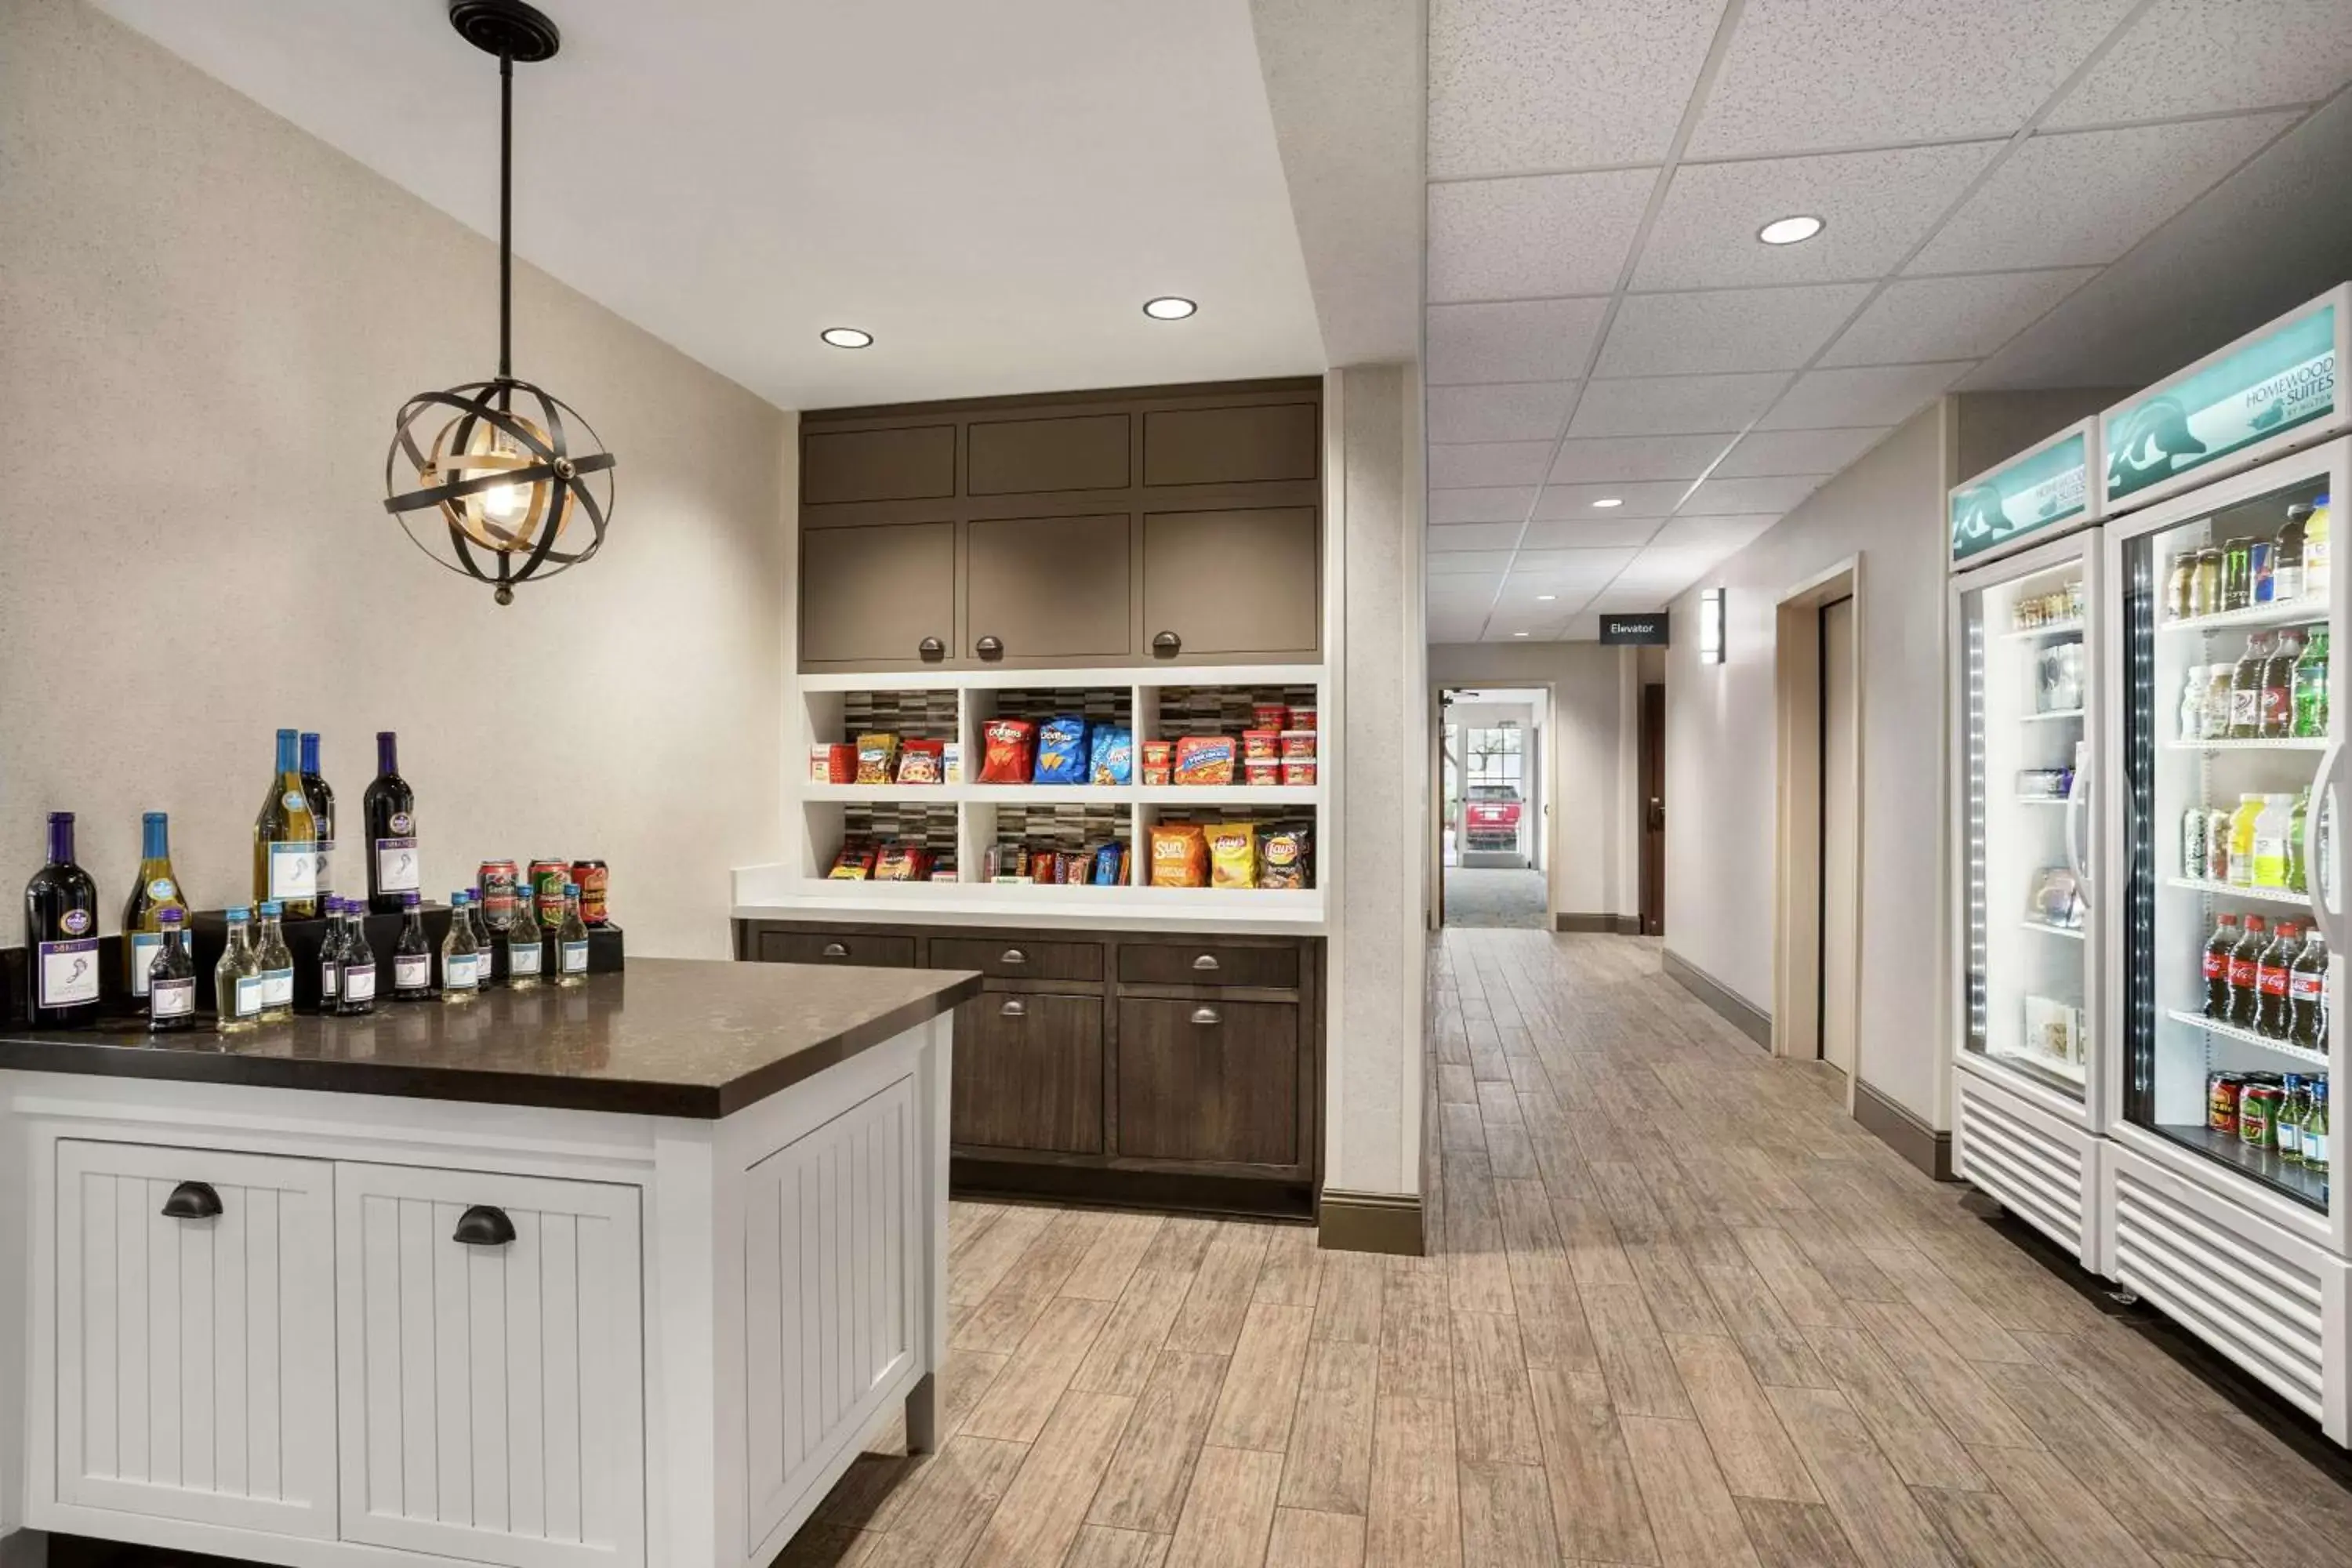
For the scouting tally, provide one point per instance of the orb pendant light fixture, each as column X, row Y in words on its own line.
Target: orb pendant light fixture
column 513, row 484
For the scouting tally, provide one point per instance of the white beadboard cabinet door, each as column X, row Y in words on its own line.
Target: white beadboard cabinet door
column 492, row 1403
column 830, row 1307
column 196, row 1356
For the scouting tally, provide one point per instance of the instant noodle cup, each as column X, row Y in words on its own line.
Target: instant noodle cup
column 1158, row 761
column 1299, row 772
column 1298, row 745
column 1271, row 716
column 1261, row 745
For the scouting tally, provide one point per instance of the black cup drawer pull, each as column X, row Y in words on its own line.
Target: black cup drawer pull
column 1014, row 1008
column 932, row 649
column 1013, row 955
column 193, row 1200
column 483, row 1226
column 1166, row 644
column 1207, row 964
column 1207, row 1015
column 989, row 648
column 836, row 950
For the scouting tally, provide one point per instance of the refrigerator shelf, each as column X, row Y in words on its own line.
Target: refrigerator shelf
column 2247, row 1037
column 2049, row 714
column 2073, row 1072
column 2298, row 1182
column 2054, row 629
column 2043, row 800
column 2309, row 610
column 2073, row 931
column 2281, row 744
column 2232, row 890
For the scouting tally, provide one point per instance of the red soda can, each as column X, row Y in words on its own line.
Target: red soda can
column 593, row 881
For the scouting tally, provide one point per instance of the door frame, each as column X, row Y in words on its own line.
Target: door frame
column 1433, row 913
column 1796, row 702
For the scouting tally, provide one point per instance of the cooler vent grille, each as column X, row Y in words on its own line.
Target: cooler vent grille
column 2031, row 1172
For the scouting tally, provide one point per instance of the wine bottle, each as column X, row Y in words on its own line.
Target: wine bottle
column 460, row 955
column 236, row 979
column 522, row 940
column 172, row 983
column 286, row 837
column 571, row 940
column 322, row 812
column 354, row 965
column 277, row 961
column 486, row 947
column 331, row 955
column 61, row 937
column 412, row 955
column 390, row 807
column 154, row 890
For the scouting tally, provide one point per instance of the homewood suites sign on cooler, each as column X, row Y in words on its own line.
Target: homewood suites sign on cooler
column 2048, row 485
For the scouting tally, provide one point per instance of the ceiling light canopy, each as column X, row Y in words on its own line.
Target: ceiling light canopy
column 1791, row 230
column 506, row 484
column 1168, row 308
column 847, row 337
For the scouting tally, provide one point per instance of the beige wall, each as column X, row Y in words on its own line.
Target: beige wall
column 207, row 319
column 1590, row 746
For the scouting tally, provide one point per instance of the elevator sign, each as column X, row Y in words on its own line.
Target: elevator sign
column 1648, row 630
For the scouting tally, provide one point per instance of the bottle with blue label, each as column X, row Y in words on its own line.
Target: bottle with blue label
column 286, row 837
column 277, row 961
column 524, row 941
column 571, row 940
column 156, row 889
column 171, row 979
column 61, row 937
column 237, row 978
column 461, row 955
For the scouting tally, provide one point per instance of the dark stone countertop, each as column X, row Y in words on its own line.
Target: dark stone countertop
column 664, row 1036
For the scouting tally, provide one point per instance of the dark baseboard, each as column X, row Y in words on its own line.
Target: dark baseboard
column 1735, row 1009
column 1370, row 1222
column 1900, row 1129
column 1607, row 925
column 1096, row 1188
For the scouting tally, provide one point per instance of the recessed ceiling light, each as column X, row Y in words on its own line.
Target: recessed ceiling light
column 1518, row 634
column 1168, row 308
column 1791, row 230
column 847, row 338
column 1546, row 598
column 1607, row 501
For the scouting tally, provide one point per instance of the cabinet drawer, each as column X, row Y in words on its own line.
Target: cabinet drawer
column 837, row 947
column 195, row 1349
column 1018, row 958
column 492, row 1378
column 1209, row 963
column 1028, row 1073
column 1214, row 1081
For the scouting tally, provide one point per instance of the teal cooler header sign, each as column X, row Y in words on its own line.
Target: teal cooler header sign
column 2274, row 384
column 2030, row 495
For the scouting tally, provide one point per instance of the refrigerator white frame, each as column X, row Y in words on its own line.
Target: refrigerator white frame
column 2082, row 545
column 2326, row 1230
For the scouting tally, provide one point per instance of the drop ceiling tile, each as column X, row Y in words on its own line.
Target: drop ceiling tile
column 1654, row 500
column 1533, row 84
column 1674, row 404
column 2089, row 195
column 1772, row 452
column 1569, row 566
column 1726, row 330
column 1451, row 536
column 1468, row 562
column 1723, row 533
column 1877, row 206
column 2205, row 56
column 1729, row 498
column 1521, row 411
column 1805, row 74
column 1824, row 399
column 1526, row 339
column 1603, row 530
column 1952, row 317
column 1631, row 457
column 1488, row 464
column 1501, row 504
column 1528, row 239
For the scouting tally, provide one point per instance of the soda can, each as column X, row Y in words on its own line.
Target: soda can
column 2221, row 1101
column 2258, row 1108
column 496, row 883
column 2194, row 856
column 547, row 879
column 593, row 881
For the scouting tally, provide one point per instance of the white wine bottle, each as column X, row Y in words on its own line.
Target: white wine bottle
column 286, row 837
column 236, row 979
column 154, row 890
column 571, row 940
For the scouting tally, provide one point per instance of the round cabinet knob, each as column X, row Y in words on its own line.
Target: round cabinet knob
column 1014, row 1008
column 1207, row 964
column 483, row 1226
column 193, row 1200
column 1166, row 645
column 834, row 950
column 1013, row 956
column 932, row 650
column 989, row 648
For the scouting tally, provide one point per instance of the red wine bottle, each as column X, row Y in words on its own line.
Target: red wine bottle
column 390, row 806
column 61, row 937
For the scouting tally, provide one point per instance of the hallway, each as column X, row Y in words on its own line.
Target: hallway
column 1681, row 1311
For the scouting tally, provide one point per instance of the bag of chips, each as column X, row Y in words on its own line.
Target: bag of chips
column 854, row 864
column 1204, row 760
column 1233, row 855
column 1110, row 865
column 1284, row 861
column 1113, row 755
column 920, row 762
column 1061, row 751
column 1005, row 759
column 1179, row 856
column 902, row 863
column 877, row 758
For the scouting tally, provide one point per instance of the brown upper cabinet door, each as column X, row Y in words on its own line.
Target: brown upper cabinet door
column 1031, row 457
column 1048, row 587
column 1229, row 445
column 916, row 464
column 1246, row 580
column 875, row 596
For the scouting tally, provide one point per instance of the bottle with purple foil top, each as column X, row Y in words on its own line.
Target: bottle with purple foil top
column 61, row 937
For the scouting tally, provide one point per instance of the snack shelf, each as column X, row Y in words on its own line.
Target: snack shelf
column 2232, row 890
column 2247, row 1037
column 1308, row 795
column 2280, row 743
column 2309, row 609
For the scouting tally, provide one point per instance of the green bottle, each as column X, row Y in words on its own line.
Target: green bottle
column 2311, row 687
column 2314, row 1131
column 2298, row 830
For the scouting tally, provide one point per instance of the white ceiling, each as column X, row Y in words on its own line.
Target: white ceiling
column 993, row 190
column 1603, row 325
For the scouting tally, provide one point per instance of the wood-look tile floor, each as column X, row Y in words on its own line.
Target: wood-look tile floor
column 1680, row 1310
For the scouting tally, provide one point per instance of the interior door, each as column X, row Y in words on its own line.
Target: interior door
column 1840, row 838
column 1653, row 809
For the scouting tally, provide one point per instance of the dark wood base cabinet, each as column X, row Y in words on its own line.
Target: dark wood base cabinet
column 1152, row 1068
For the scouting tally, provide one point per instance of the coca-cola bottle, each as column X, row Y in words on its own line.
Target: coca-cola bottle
column 2306, row 995
column 2218, row 948
column 2245, row 1009
column 2270, row 982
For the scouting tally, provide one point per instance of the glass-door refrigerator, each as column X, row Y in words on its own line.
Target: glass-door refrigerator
column 2027, row 701
column 2227, row 627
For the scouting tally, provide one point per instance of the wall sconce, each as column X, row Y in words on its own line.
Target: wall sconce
column 1710, row 626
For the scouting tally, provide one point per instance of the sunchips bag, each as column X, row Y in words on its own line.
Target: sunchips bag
column 1179, row 856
